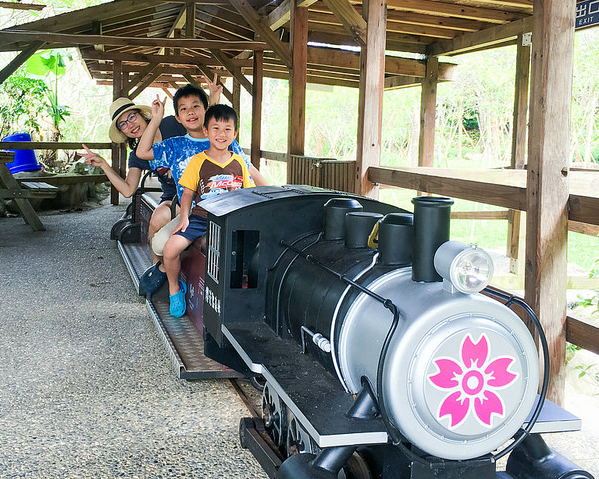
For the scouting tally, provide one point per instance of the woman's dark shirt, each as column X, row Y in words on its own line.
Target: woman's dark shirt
column 169, row 127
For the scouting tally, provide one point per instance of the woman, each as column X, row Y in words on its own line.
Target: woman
column 128, row 123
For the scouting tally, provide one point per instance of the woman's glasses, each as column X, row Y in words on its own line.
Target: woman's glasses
column 130, row 119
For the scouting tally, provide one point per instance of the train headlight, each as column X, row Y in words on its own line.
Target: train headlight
column 467, row 267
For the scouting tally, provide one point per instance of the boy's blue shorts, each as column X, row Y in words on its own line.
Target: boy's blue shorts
column 196, row 228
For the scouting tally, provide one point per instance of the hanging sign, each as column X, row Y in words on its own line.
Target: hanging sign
column 587, row 13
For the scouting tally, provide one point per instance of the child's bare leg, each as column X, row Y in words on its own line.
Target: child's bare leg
column 173, row 248
column 160, row 217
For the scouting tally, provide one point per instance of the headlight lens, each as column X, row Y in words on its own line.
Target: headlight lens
column 468, row 267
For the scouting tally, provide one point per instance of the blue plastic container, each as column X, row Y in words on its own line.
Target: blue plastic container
column 25, row 160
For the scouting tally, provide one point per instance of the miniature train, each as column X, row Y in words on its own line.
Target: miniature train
column 384, row 352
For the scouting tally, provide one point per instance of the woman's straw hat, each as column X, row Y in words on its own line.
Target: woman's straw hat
column 118, row 107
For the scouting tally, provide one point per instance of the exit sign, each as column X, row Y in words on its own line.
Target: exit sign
column 587, row 13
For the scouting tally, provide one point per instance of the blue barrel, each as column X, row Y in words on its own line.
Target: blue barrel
column 25, row 160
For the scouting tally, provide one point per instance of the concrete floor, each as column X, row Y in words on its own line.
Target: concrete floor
column 86, row 388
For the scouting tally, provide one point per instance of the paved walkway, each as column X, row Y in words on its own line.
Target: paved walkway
column 86, row 387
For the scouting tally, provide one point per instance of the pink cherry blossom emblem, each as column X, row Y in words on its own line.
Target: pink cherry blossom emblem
column 472, row 383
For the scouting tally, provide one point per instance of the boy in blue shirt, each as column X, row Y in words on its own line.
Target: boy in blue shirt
column 190, row 105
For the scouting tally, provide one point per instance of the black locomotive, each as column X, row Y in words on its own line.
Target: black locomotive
column 381, row 354
column 385, row 353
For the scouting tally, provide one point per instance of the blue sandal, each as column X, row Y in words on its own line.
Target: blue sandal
column 152, row 278
column 177, row 300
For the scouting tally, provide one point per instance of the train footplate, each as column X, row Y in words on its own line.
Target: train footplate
column 183, row 342
column 327, row 424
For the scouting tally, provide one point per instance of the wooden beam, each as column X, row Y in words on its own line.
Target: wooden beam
column 140, row 76
column 393, row 65
column 236, row 101
column 459, row 10
column 583, row 209
column 22, row 6
column 547, row 178
column 233, row 70
column 145, row 84
column 518, row 159
column 117, row 151
column 164, row 59
column 487, row 37
column 260, row 26
column 428, row 110
column 439, row 181
column 370, row 100
column 190, row 20
column 53, row 145
column 297, row 84
column 582, row 333
column 17, row 61
column 351, row 19
column 282, row 14
column 256, row 109
column 71, row 39
column 400, row 81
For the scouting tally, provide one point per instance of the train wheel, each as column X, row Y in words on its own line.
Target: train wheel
column 274, row 414
column 356, row 468
column 298, row 440
column 258, row 382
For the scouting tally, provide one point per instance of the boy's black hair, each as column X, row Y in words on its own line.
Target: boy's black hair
column 220, row 112
column 189, row 90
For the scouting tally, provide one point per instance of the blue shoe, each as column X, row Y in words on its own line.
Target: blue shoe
column 178, row 305
column 152, row 278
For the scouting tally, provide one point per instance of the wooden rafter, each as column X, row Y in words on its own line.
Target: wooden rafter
column 259, row 24
column 431, row 7
column 19, row 60
column 490, row 36
column 143, row 73
column 235, row 71
column 350, row 18
column 14, row 35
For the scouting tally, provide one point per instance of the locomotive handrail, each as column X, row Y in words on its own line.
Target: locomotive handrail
column 509, row 300
column 392, row 429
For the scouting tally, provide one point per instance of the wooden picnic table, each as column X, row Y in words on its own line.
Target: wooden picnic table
column 21, row 193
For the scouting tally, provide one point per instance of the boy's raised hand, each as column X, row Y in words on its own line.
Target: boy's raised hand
column 158, row 107
column 214, row 88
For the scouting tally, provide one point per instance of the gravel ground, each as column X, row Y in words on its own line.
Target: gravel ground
column 86, row 387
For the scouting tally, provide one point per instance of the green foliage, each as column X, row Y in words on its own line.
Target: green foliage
column 49, row 66
column 21, row 103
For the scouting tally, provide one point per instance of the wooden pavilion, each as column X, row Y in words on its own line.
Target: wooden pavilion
column 373, row 46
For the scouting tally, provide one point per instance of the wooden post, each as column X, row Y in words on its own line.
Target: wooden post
column 236, row 101
column 428, row 106
column 257, row 108
column 297, row 84
column 370, row 104
column 518, row 160
column 118, row 149
column 547, row 178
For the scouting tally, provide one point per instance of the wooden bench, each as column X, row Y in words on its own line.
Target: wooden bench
column 21, row 193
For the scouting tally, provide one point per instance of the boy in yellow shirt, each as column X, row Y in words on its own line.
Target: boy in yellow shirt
column 209, row 173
